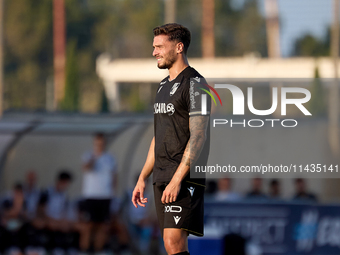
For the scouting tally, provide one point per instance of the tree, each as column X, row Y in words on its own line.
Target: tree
column 105, row 103
column 310, row 46
column 28, row 52
column 70, row 101
column 317, row 104
column 239, row 31
column 122, row 28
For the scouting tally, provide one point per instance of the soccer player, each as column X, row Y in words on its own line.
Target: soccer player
column 181, row 130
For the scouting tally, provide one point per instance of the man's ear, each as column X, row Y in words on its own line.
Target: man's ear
column 180, row 47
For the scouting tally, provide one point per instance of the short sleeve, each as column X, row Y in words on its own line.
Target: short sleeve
column 198, row 98
column 110, row 162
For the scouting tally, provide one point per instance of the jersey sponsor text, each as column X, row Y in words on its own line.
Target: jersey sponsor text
column 164, row 108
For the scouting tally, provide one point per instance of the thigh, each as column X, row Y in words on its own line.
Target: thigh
column 158, row 192
column 186, row 212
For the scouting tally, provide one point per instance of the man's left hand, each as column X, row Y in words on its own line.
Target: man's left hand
column 170, row 193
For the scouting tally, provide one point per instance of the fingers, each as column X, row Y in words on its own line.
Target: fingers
column 134, row 199
column 141, row 194
column 138, row 200
column 141, row 202
column 174, row 199
column 168, row 198
column 163, row 197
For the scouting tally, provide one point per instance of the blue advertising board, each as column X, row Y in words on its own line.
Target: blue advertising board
column 280, row 228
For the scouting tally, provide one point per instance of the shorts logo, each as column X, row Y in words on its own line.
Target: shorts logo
column 174, row 88
column 191, row 190
column 177, row 218
column 173, row 208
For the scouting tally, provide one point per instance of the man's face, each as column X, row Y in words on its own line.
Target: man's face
column 62, row 185
column 224, row 184
column 164, row 51
column 300, row 186
column 18, row 192
column 257, row 184
column 99, row 144
column 275, row 188
column 31, row 178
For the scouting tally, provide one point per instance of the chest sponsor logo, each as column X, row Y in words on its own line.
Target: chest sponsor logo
column 174, row 88
column 173, row 209
column 164, row 108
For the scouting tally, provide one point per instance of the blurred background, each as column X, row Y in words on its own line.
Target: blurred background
column 70, row 69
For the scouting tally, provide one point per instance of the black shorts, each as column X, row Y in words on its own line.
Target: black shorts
column 96, row 210
column 186, row 213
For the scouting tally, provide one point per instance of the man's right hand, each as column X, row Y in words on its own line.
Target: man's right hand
column 89, row 164
column 138, row 194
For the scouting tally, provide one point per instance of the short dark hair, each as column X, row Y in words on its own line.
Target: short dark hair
column 175, row 32
column 299, row 180
column 64, row 175
column 99, row 135
column 18, row 186
column 274, row 182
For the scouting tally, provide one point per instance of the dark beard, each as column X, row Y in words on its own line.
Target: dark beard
column 168, row 62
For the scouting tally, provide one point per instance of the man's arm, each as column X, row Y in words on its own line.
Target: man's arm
column 115, row 182
column 138, row 192
column 198, row 133
column 88, row 164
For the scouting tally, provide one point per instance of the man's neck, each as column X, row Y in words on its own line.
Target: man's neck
column 178, row 67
